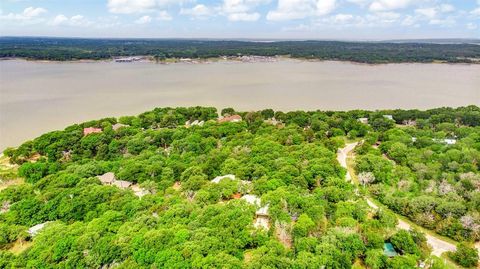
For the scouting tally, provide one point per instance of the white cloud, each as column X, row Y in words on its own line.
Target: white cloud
column 433, row 12
column 138, row 6
column 438, row 15
column 342, row 18
column 244, row 16
column 443, row 22
column 235, row 6
column 28, row 14
column 325, row 7
column 77, row 20
column 241, row 10
column 33, row 12
column 59, row 19
column 241, row 6
column 387, row 5
column 107, row 22
column 359, row 2
column 130, row 6
column 342, row 21
column 409, row 21
column 163, row 16
column 475, row 12
column 144, row 20
column 198, row 11
column 299, row 9
column 446, row 8
column 382, row 18
column 429, row 13
column 472, row 26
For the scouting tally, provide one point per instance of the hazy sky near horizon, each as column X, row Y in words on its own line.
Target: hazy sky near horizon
column 315, row 19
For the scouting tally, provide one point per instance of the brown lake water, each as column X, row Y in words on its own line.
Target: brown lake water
column 36, row 97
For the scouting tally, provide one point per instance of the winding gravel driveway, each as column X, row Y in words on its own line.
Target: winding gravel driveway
column 439, row 246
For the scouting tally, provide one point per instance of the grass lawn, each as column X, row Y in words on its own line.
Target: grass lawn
column 8, row 174
column 19, row 246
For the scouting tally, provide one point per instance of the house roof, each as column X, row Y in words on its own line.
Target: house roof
column 262, row 223
column 139, row 191
column 107, row 178
column 34, row 230
column 91, row 130
column 262, row 211
column 450, row 141
column 390, row 117
column 122, row 184
column 236, row 195
column 117, row 126
column 219, row 178
column 252, row 199
column 194, row 123
column 272, row 121
column 230, row 118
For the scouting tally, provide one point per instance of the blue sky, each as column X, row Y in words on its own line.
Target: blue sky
column 266, row 19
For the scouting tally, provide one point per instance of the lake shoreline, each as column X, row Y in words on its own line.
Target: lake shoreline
column 195, row 61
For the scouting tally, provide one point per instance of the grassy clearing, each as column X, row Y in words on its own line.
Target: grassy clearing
column 350, row 140
column 8, row 183
column 358, row 265
column 20, row 246
column 8, row 174
column 351, row 169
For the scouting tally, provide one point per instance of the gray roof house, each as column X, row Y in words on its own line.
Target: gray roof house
column 107, row 178
column 122, row 184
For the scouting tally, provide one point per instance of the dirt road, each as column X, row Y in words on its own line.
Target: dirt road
column 439, row 246
column 342, row 157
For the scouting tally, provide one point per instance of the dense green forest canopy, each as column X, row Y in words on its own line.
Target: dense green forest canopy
column 61, row 49
column 178, row 212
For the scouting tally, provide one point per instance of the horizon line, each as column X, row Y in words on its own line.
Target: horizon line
column 252, row 39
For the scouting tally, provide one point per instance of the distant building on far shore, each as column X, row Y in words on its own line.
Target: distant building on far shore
column 128, row 59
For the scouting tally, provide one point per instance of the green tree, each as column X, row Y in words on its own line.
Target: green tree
column 404, row 242
column 33, row 172
column 303, row 226
column 465, row 255
column 375, row 259
column 228, row 111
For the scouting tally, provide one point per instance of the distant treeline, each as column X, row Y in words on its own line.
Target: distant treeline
column 63, row 49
